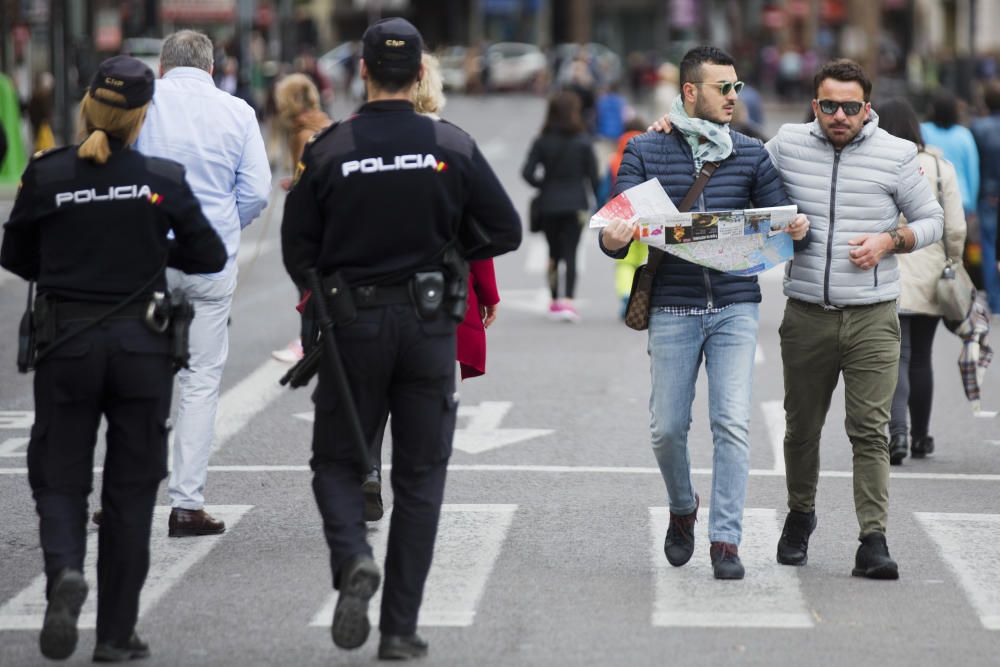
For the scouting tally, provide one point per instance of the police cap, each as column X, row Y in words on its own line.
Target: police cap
column 392, row 45
column 126, row 76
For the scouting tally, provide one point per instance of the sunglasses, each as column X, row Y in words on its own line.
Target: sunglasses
column 829, row 107
column 725, row 87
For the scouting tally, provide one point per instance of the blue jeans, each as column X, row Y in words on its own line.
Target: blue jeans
column 987, row 212
column 727, row 340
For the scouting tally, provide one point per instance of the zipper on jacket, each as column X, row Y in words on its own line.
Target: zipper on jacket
column 829, row 231
column 709, row 298
column 876, row 275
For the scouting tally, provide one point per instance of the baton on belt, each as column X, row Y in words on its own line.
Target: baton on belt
column 331, row 356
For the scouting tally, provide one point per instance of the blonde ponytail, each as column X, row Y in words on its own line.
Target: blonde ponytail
column 101, row 121
column 95, row 147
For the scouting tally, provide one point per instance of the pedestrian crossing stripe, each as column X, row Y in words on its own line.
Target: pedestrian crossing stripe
column 967, row 543
column 689, row 596
column 472, row 537
column 469, row 541
column 170, row 558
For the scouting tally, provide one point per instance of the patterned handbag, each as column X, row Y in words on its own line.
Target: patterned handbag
column 637, row 309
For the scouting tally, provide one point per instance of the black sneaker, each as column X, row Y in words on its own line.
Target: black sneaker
column 921, row 447
column 873, row 560
column 398, row 647
column 359, row 579
column 725, row 561
column 58, row 638
column 679, row 543
column 372, row 488
column 793, row 547
column 133, row 649
column 897, row 449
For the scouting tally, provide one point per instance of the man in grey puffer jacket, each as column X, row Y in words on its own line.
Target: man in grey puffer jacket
column 852, row 180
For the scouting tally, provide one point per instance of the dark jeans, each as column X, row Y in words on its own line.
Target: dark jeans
column 405, row 366
column 915, row 387
column 122, row 371
column 562, row 231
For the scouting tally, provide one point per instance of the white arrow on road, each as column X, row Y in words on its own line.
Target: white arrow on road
column 483, row 432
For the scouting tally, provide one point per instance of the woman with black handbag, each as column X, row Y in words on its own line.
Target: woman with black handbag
column 568, row 171
column 920, row 306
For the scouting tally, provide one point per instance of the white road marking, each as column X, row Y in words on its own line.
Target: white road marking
column 469, row 541
column 494, row 149
column 769, row 597
column 248, row 399
column 589, row 470
column 968, row 545
column 483, row 431
column 6, row 276
column 170, row 559
column 985, row 414
column 242, row 403
column 774, row 418
column 992, row 442
column 17, row 419
column 249, row 252
column 11, row 447
column 536, row 260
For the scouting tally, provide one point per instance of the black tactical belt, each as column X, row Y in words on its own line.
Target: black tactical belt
column 90, row 310
column 371, row 296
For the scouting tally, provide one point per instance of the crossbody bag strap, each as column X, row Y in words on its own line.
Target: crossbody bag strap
column 707, row 169
column 940, row 198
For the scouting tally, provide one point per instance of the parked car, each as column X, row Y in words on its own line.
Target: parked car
column 605, row 64
column 338, row 65
column 454, row 75
column 146, row 49
column 513, row 65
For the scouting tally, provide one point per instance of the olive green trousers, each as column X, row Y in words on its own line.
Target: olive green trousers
column 817, row 346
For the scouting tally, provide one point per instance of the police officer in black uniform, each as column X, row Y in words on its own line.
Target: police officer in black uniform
column 378, row 201
column 90, row 226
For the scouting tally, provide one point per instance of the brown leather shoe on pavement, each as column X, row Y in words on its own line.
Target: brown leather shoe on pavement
column 192, row 523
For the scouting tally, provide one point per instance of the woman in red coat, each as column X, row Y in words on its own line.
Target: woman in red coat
column 481, row 311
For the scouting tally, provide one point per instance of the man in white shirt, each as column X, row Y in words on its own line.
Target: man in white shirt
column 217, row 139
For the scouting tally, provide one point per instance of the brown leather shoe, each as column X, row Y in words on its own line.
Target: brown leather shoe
column 192, row 523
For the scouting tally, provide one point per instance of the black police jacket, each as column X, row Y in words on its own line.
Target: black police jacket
column 379, row 195
column 91, row 232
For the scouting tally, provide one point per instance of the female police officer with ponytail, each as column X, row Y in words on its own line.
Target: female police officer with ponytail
column 90, row 226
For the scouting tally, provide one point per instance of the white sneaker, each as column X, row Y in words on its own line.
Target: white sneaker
column 569, row 313
column 290, row 354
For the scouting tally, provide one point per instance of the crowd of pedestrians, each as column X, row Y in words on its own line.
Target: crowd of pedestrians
column 882, row 204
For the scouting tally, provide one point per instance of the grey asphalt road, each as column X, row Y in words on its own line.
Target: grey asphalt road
column 551, row 545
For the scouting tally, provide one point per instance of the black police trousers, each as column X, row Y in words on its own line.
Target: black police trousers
column 122, row 371
column 394, row 361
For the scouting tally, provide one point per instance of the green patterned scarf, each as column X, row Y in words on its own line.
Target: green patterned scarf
column 718, row 144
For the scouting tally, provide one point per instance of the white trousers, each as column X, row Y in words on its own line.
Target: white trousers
column 198, row 386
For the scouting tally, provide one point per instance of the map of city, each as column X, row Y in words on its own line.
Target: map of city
column 743, row 242
column 743, row 256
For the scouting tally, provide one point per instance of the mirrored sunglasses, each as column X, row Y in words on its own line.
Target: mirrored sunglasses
column 829, row 107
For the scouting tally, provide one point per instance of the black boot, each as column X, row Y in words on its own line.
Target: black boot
column 922, row 446
column 793, row 547
column 873, row 560
column 399, row 647
column 133, row 649
column 897, row 449
column 58, row 638
column 359, row 579
column 679, row 543
column 725, row 561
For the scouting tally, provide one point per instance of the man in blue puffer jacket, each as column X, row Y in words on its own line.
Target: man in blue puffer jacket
column 701, row 312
